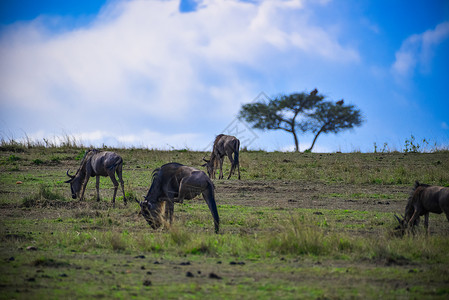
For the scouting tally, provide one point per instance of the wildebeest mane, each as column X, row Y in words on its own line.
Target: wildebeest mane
column 217, row 138
column 214, row 158
column 417, row 189
column 87, row 155
column 155, row 188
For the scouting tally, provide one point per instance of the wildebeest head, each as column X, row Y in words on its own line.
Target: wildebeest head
column 401, row 229
column 402, row 226
column 75, row 184
column 409, row 210
column 153, row 212
column 210, row 168
column 410, row 207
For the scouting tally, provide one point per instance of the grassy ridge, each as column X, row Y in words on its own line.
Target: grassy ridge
column 357, row 168
column 90, row 249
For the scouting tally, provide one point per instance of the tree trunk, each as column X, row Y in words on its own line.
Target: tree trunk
column 296, row 141
column 314, row 140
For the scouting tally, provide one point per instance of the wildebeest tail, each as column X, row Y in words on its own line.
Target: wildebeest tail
column 236, row 152
column 209, row 196
column 117, row 163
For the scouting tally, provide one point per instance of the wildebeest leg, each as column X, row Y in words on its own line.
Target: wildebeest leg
column 238, row 168
column 97, row 186
column 115, row 182
column 221, row 167
column 411, row 222
column 426, row 223
column 83, row 188
column 188, row 189
column 232, row 165
column 122, row 183
column 181, row 194
column 169, row 210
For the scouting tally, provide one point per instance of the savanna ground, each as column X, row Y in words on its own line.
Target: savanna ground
column 296, row 226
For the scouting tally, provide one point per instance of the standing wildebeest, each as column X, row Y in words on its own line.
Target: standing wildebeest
column 223, row 145
column 175, row 182
column 423, row 200
column 96, row 163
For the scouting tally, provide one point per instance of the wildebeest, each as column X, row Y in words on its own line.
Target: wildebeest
column 223, row 145
column 174, row 182
column 423, row 200
column 97, row 163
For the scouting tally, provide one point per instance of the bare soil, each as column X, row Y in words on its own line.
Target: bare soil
column 287, row 194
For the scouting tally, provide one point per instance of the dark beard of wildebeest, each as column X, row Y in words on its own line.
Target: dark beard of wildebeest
column 223, row 145
column 174, row 182
column 97, row 163
column 423, row 200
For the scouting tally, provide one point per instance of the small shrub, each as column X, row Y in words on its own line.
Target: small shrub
column 11, row 146
column 385, row 148
column 55, row 159
column 412, row 146
column 179, row 236
column 38, row 161
column 117, row 241
column 44, row 197
column 13, row 158
column 299, row 238
column 130, row 196
column 202, row 248
column 49, row 263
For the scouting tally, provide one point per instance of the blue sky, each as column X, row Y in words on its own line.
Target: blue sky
column 171, row 74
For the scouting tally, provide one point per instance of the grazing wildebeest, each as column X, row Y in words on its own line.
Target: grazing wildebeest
column 174, row 182
column 97, row 163
column 423, row 200
column 223, row 145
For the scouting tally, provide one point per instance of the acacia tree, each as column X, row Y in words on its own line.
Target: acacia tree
column 332, row 118
column 301, row 111
column 286, row 112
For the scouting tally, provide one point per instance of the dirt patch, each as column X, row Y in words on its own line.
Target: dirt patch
column 287, row 194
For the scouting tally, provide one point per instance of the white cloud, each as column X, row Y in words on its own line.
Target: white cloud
column 417, row 50
column 145, row 59
column 144, row 138
column 151, row 139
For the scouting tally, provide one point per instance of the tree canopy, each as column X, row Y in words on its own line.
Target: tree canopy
column 306, row 112
column 333, row 118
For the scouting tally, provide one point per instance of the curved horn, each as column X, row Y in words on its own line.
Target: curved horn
column 144, row 203
column 71, row 176
column 397, row 218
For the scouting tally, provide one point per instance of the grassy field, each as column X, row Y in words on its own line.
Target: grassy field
column 296, row 226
